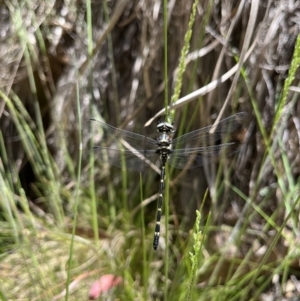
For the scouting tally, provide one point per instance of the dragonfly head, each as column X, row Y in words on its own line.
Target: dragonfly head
column 165, row 127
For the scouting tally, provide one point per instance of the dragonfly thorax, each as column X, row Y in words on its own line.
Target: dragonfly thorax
column 164, row 141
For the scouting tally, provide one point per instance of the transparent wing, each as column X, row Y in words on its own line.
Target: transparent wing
column 194, row 157
column 203, row 137
column 109, row 136
column 137, row 160
column 123, row 148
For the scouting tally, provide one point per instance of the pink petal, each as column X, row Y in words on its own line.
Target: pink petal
column 103, row 284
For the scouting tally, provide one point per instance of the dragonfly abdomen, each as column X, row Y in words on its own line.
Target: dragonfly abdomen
column 159, row 207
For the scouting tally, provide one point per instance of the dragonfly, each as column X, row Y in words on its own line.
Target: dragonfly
column 136, row 152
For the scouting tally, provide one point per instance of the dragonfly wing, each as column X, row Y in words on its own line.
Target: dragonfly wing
column 194, row 157
column 207, row 136
column 109, row 136
column 136, row 160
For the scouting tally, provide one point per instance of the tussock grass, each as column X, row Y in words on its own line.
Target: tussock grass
column 66, row 218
